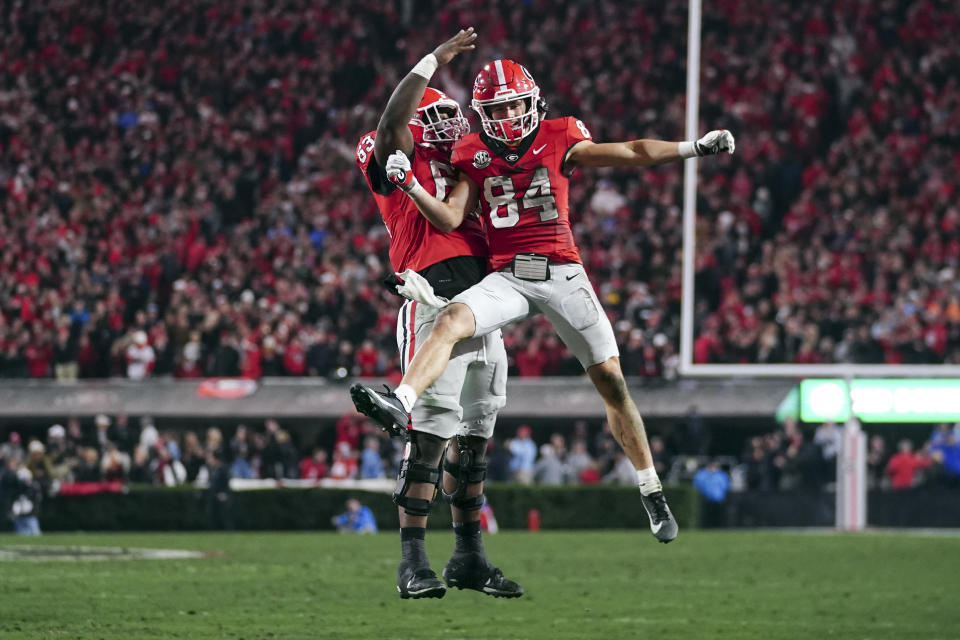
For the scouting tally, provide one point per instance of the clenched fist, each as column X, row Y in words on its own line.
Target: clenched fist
column 398, row 171
column 715, row 142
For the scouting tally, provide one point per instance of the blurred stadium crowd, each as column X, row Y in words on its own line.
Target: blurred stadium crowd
column 178, row 197
column 118, row 450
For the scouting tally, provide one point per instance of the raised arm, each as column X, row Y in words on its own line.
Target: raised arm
column 445, row 215
column 393, row 132
column 646, row 153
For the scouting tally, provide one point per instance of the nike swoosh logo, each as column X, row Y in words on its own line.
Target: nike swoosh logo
column 572, row 277
column 536, row 151
column 656, row 528
column 418, row 591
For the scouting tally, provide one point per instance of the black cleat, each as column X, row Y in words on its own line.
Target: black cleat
column 662, row 523
column 419, row 583
column 471, row 571
column 383, row 408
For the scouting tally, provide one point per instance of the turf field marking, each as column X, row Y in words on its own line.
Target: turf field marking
column 25, row 553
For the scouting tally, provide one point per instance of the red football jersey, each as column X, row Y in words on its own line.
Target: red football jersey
column 414, row 242
column 524, row 191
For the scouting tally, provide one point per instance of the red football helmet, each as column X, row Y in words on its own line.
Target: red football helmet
column 504, row 81
column 429, row 120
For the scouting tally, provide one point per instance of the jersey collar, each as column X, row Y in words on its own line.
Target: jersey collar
column 510, row 155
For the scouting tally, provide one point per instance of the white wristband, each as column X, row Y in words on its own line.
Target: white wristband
column 415, row 191
column 426, row 67
column 686, row 150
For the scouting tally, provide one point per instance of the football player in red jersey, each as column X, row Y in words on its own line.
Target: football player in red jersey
column 436, row 259
column 518, row 170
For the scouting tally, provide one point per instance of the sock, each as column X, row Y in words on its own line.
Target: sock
column 468, row 538
column 413, row 547
column 648, row 481
column 407, row 396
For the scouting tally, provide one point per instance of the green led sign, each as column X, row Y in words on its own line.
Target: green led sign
column 881, row 400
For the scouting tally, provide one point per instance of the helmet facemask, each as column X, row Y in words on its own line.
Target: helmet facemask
column 515, row 128
column 442, row 122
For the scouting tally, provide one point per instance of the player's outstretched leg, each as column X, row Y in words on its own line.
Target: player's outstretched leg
column 469, row 567
column 391, row 410
column 383, row 408
column 627, row 427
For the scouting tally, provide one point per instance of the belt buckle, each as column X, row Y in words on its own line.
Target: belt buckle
column 531, row 266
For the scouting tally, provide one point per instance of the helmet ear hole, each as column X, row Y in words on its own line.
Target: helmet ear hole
column 542, row 106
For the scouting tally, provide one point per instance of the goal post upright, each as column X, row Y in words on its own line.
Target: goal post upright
column 851, row 487
column 690, row 184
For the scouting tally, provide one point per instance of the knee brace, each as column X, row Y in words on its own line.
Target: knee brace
column 470, row 469
column 421, row 464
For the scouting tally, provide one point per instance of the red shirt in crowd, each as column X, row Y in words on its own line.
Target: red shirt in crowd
column 344, row 467
column 348, row 429
column 310, row 469
column 531, row 363
column 295, row 359
column 250, row 363
column 902, row 467
column 38, row 360
column 705, row 348
column 367, row 358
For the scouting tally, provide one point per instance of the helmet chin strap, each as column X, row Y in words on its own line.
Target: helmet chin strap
column 515, row 142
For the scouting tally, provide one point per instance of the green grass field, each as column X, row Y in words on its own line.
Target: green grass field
column 594, row 585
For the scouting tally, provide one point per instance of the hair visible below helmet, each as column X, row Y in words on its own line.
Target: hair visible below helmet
column 505, row 81
column 433, row 126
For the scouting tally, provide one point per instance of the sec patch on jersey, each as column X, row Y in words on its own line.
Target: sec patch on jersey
column 481, row 160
